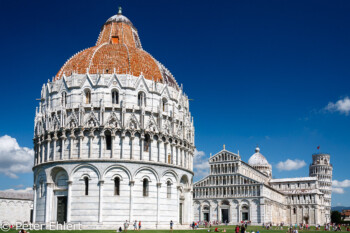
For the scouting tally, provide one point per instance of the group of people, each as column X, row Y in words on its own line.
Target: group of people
column 137, row 226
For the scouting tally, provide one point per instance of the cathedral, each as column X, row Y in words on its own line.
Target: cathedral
column 237, row 191
column 114, row 138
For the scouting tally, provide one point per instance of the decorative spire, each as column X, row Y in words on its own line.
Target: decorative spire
column 120, row 10
column 257, row 149
column 224, row 146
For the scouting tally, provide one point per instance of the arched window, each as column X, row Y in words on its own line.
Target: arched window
column 169, row 158
column 88, row 97
column 108, row 140
column 145, row 187
column 117, row 186
column 146, row 143
column 164, row 105
column 141, row 98
column 64, row 99
column 168, row 189
column 115, row 97
column 86, row 182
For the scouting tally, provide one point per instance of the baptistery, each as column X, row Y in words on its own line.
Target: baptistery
column 113, row 138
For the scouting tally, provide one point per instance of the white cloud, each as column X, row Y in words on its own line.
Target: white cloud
column 341, row 184
column 200, row 164
column 13, row 158
column 290, row 165
column 342, row 106
column 338, row 190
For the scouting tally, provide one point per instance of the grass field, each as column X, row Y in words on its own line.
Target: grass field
column 229, row 228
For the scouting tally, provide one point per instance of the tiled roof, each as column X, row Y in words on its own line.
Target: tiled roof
column 118, row 50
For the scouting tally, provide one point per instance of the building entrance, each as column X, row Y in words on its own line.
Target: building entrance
column 224, row 214
column 245, row 216
column 206, row 217
column 61, row 210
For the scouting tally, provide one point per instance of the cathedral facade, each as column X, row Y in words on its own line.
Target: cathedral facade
column 114, row 138
column 237, row 191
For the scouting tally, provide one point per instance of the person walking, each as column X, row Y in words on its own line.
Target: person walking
column 135, row 225
column 139, row 225
column 171, row 225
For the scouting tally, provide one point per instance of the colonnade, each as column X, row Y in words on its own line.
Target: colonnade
column 168, row 151
column 232, row 191
column 224, row 168
column 225, row 180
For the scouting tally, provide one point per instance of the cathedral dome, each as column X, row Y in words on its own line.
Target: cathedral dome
column 258, row 159
column 118, row 50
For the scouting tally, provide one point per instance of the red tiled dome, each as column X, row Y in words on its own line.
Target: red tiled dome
column 118, row 49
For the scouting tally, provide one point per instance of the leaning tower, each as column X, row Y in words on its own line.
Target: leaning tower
column 322, row 169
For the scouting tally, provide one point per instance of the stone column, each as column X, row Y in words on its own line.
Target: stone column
column 316, row 215
column 200, row 212
column 54, row 146
column 71, row 142
column 142, row 140
column 102, row 139
column 40, row 159
column 166, row 151
column 81, row 137
column 219, row 212
column 63, row 139
column 48, row 202
column 150, row 148
column 229, row 213
column 48, row 143
column 122, row 136
column 34, row 204
column 100, row 203
column 132, row 147
column 158, row 202
column 112, row 144
column 239, row 213
column 91, row 137
column 131, row 200
column 158, row 144
column 69, row 206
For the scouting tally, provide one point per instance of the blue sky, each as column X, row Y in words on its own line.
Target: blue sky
column 260, row 72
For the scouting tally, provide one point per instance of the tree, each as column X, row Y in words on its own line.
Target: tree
column 335, row 217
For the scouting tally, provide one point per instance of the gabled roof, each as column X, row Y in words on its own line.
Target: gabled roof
column 224, row 156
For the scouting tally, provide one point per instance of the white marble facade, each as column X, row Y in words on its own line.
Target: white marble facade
column 236, row 191
column 112, row 147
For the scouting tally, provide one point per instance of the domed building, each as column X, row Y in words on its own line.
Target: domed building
column 259, row 162
column 114, row 138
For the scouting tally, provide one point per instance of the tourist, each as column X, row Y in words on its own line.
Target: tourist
column 120, row 229
column 171, row 225
column 242, row 229
column 126, row 225
column 139, row 225
column 237, row 229
column 135, row 225
column 224, row 230
column 216, row 229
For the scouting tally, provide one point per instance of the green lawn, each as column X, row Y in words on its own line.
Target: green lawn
column 229, row 228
